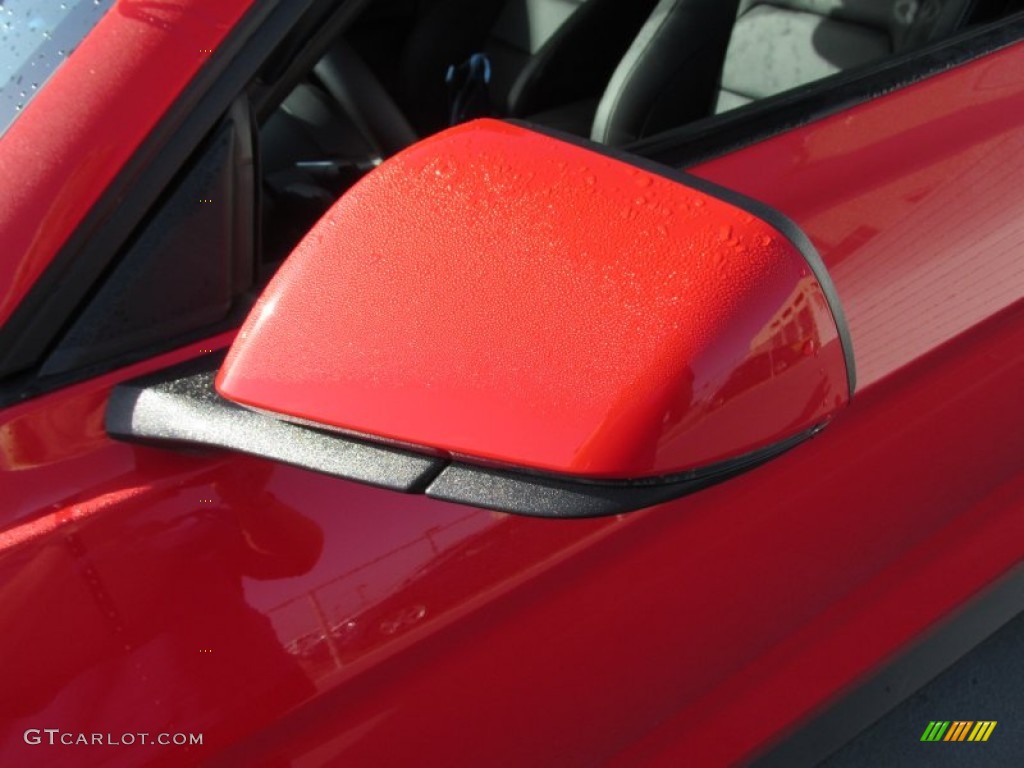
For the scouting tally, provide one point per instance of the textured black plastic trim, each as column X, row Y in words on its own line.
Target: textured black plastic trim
column 178, row 407
column 785, row 226
column 181, row 273
column 541, row 495
column 828, row 730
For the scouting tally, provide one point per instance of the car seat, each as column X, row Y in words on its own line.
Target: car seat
column 543, row 54
column 694, row 58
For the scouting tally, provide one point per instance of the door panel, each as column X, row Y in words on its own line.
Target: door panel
column 198, row 593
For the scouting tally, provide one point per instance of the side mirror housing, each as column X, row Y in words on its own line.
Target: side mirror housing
column 519, row 303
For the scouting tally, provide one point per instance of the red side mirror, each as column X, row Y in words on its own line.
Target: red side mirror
column 506, row 298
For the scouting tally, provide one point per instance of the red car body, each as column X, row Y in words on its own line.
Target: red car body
column 292, row 618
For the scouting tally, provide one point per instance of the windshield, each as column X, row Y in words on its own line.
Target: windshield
column 35, row 37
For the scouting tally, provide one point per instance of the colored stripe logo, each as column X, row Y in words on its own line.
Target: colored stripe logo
column 958, row 730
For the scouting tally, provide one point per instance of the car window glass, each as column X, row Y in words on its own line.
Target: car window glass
column 35, row 37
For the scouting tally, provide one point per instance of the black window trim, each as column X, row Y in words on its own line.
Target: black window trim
column 731, row 131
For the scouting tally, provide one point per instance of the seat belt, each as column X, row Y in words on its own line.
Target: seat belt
column 469, row 89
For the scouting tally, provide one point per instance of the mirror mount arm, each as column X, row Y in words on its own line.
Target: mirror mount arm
column 178, row 409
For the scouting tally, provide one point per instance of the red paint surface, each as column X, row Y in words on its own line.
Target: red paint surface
column 913, row 202
column 496, row 293
column 90, row 117
column 292, row 616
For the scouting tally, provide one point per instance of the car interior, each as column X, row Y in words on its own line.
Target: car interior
column 613, row 71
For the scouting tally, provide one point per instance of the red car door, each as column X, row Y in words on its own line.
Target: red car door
column 166, row 604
